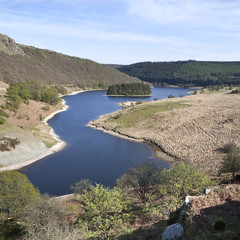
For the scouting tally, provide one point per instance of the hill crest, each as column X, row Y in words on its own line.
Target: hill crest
column 25, row 63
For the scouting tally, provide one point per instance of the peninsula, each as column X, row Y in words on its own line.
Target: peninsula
column 193, row 128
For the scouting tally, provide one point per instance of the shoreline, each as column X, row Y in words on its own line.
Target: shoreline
column 57, row 147
column 158, row 153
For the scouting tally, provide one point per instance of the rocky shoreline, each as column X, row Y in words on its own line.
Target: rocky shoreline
column 194, row 133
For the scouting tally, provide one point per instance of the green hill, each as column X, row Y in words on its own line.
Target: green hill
column 190, row 73
column 25, row 63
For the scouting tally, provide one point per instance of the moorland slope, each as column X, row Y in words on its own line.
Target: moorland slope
column 192, row 128
column 24, row 63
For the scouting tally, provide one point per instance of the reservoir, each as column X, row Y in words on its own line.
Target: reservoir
column 89, row 153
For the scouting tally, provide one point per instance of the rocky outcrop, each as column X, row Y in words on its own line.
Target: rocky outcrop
column 9, row 46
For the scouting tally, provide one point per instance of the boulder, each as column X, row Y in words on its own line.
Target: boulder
column 173, row 232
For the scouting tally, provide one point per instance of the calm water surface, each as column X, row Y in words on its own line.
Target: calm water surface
column 89, row 153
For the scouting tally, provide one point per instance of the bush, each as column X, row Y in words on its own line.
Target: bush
column 141, row 179
column 228, row 147
column 23, row 92
column 181, row 180
column 16, row 193
column 43, row 220
column 171, row 96
column 235, row 91
column 231, row 162
column 104, row 210
column 2, row 121
column 81, row 186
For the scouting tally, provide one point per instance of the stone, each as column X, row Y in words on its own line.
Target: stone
column 173, row 232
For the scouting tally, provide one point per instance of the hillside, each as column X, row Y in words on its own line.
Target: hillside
column 190, row 73
column 25, row 63
column 192, row 128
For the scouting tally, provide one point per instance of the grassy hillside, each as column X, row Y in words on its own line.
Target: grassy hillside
column 192, row 128
column 24, row 63
column 185, row 72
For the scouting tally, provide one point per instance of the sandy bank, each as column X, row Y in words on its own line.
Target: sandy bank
column 31, row 149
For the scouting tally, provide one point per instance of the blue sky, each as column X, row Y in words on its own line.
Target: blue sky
column 127, row 31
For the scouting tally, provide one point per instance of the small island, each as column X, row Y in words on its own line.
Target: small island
column 130, row 89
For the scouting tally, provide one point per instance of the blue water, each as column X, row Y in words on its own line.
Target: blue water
column 89, row 153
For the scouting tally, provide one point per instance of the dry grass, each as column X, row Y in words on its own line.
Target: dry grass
column 194, row 130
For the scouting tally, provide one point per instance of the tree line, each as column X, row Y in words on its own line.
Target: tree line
column 189, row 73
column 129, row 89
column 19, row 92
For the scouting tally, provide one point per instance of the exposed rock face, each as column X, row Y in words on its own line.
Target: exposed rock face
column 9, row 46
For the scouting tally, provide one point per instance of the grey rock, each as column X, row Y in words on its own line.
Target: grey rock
column 10, row 46
column 173, row 232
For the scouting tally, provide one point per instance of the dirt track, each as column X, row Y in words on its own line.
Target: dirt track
column 195, row 133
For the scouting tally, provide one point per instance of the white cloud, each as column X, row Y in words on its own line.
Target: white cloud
column 194, row 13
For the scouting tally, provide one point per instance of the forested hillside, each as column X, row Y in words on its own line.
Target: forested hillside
column 192, row 73
column 25, row 63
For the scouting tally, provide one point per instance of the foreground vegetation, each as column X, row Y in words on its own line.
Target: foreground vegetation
column 102, row 213
column 130, row 89
column 188, row 73
column 145, row 192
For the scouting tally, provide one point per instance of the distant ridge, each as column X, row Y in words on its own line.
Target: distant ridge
column 188, row 73
column 24, row 63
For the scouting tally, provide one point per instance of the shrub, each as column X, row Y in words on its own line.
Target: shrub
column 228, row 147
column 16, row 193
column 44, row 220
column 81, row 186
column 141, row 179
column 181, row 180
column 231, row 162
column 103, row 211
column 2, row 121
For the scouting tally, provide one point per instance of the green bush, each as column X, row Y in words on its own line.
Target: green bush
column 231, row 163
column 81, row 186
column 16, row 193
column 104, row 211
column 2, row 121
column 23, row 92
